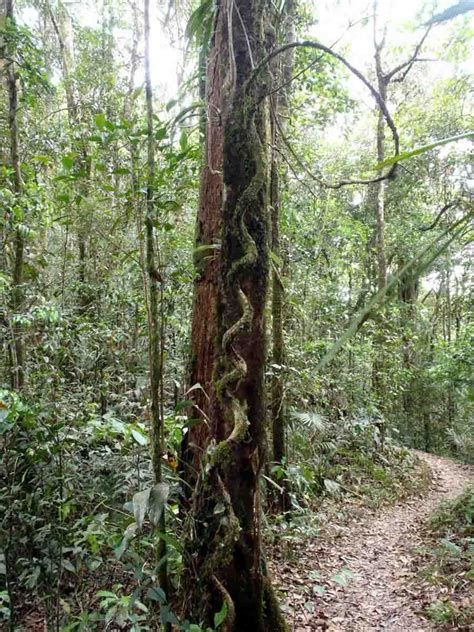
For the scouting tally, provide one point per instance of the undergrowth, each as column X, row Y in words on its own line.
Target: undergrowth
column 332, row 462
column 448, row 563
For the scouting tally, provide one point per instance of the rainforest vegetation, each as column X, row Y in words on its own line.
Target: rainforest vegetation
column 236, row 315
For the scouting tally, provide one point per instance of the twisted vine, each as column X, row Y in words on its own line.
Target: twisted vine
column 235, row 365
column 219, row 521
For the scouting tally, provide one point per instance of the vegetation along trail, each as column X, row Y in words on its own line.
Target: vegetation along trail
column 373, row 559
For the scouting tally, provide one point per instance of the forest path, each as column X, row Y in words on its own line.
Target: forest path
column 376, row 548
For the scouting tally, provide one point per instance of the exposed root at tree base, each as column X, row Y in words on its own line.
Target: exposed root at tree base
column 378, row 550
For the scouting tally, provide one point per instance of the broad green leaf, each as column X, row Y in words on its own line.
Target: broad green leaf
column 106, row 593
column 220, row 616
column 199, row 19
column 173, row 542
column 183, row 140
column 451, row 547
column 168, row 616
column 129, row 534
column 185, row 403
column 139, row 437
column 68, row 162
column 156, row 594
column 100, row 120
column 68, row 565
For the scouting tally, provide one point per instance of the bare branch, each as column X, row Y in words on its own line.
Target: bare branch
column 378, row 98
column 445, row 208
column 409, row 63
column 343, row 60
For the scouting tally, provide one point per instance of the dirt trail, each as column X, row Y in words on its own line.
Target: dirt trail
column 376, row 548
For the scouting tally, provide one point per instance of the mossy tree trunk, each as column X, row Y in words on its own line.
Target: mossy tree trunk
column 224, row 557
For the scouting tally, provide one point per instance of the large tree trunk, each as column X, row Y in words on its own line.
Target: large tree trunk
column 207, row 257
column 224, row 554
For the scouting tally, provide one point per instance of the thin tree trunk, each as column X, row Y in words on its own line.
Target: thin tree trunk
column 63, row 27
column 16, row 351
column 408, row 293
column 278, row 349
column 378, row 196
column 282, row 76
column 154, row 283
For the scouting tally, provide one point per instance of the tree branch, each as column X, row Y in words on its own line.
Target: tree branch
column 445, row 208
column 409, row 63
column 316, row 45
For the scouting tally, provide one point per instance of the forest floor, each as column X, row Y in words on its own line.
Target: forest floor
column 363, row 575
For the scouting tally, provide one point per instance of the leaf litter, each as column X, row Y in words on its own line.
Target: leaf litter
column 362, row 575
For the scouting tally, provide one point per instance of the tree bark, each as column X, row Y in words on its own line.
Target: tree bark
column 207, row 257
column 223, row 550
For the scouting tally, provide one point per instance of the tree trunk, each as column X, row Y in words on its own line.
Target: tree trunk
column 378, row 196
column 408, row 293
column 223, row 550
column 278, row 349
column 155, row 281
column 207, row 258
column 63, row 27
column 282, row 76
column 16, row 347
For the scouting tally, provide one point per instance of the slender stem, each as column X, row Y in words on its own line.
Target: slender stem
column 155, row 355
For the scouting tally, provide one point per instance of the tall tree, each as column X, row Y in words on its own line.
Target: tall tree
column 64, row 30
column 207, row 254
column 225, row 566
column 378, row 190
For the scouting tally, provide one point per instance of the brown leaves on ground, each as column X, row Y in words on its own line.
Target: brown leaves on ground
column 363, row 575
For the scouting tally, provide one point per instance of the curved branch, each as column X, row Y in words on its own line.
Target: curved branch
column 445, row 208
column 378, row 98
column 320, row 181
column 407, row 65
column 316, row 45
